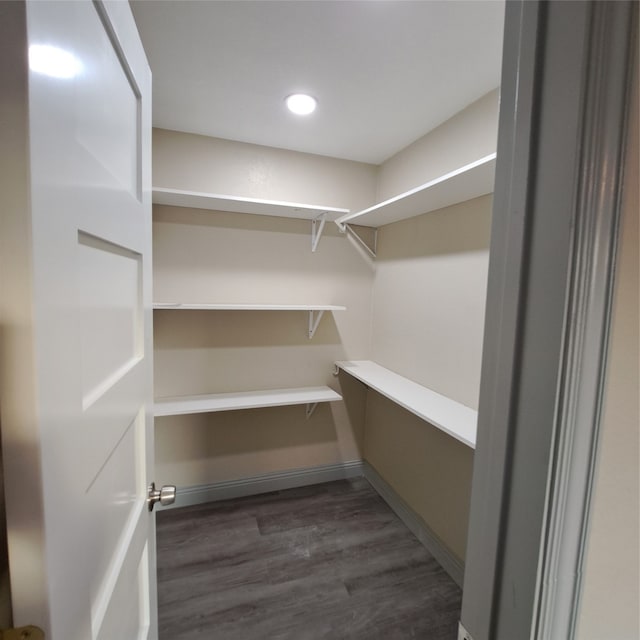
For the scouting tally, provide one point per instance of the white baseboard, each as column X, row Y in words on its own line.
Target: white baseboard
column 275, row 481
column 415, row 524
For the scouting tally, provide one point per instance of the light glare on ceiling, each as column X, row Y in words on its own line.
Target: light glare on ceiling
column 301, row 104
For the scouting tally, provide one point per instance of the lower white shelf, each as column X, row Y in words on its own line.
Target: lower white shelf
column 180, row 405
column 454, row 418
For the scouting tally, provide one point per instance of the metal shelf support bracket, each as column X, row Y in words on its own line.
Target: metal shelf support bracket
column 314, row 321
column 311, row 407
column 317, row 227
column 369, row 246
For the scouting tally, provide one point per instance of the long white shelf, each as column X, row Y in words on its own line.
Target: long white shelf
column 455, row 419
column 234, row 204
column 247, row 306
column 181, row 405
column 315, row 311
column 471, row 181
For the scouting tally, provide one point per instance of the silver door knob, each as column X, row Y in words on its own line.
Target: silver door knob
column 165, row 496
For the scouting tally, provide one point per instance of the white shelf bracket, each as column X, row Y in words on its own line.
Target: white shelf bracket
column 311, row 407
column 314, row 321
column 370, row 248
column 317, row 227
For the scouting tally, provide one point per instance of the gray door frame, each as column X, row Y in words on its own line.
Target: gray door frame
column 563, row 116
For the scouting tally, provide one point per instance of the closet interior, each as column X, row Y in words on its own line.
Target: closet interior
column 318, row 318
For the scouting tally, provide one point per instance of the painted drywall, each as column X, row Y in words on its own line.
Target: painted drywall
column 611, row 587
column 25, row 590
column 428, row 469
column 464, row 138
column 198, row 163
column 5, row 585
column 428, row 318
column 429, row 297
column 12, row 174
column 202, row 256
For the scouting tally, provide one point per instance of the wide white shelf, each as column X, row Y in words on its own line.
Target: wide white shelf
column 234, row 204
column 247, row 306
column 181, row 405
column 454, row 418
column 316, row 311
column 471, row 181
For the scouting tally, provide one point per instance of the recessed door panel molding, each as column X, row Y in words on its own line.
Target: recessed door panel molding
column 112, row 502
column 110, row 303
column 107, row 105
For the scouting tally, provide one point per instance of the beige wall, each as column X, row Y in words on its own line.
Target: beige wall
column 611, row 589
column 20, row 453
column 428, row 320
column 5, row 584
column 428, row 469
column 464, row 138
column 203, row 256
column 429, row 297
column 199, row 163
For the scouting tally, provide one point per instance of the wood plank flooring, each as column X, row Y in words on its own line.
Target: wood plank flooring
column 328, row 561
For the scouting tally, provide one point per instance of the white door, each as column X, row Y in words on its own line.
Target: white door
column 76, row 319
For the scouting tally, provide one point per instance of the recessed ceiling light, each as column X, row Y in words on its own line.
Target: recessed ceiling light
column 301, row 104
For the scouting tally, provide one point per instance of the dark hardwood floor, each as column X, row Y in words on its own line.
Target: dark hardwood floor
column 328, row 561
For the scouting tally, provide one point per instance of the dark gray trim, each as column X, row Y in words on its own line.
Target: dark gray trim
column 553, row 242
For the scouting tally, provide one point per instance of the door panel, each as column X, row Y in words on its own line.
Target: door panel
column 124, row 616
column 110, row 314
column 107, row 106
column 85, row 567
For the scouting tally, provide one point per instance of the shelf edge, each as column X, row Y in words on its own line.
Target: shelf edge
column 437, row 423
column 237, row 204
column 244, row 307
column 354, row 217
column 252, row 400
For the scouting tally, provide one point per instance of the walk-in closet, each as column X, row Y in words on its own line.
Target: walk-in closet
column 319, row 320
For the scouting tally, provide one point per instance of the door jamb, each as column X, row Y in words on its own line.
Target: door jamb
column 565, row 93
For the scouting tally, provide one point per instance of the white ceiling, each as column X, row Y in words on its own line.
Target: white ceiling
column 385, row 72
